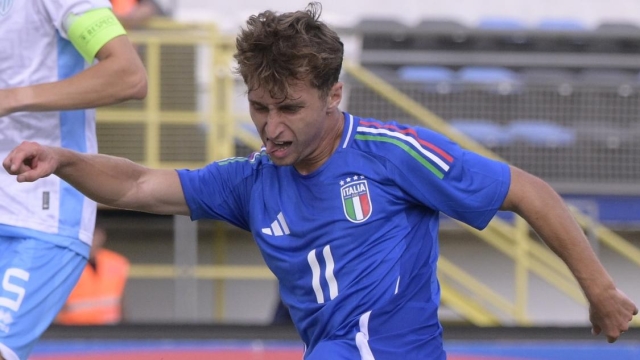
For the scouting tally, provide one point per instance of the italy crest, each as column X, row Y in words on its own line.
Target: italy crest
column 5, row 6
column 356, row 201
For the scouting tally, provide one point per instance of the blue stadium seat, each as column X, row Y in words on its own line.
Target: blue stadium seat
column 485, row 132
column 426, row 73
column 561, row 25
column 438, row 79
column 486, row 74
column 495, row 23
column 495, row 79
column 541, row 132
column 513, row 32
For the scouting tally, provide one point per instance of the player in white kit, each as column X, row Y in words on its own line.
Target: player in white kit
column 46, row 80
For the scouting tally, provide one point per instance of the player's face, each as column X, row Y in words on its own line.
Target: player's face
column 302, row 130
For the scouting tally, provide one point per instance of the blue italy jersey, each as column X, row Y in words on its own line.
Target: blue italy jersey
column 354, row 244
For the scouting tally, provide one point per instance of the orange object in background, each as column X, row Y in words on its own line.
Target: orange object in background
column 123, row 7
column 97, row 298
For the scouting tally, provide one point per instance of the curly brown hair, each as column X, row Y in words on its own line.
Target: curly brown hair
column 277, row 49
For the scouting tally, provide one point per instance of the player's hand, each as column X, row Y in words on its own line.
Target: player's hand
column 610, row 314
column 30, row 161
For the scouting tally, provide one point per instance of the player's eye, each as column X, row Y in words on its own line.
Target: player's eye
column 259, row 108
column 291, row 109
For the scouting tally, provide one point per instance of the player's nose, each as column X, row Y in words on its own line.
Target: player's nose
column 274, row 126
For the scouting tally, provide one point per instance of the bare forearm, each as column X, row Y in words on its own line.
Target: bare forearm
column 557, row 227
column 94, row 87
column 106, row 179
column 610, row 311
column 109, row 180
column 548, row 215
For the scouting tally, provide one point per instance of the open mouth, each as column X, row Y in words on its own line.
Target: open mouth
column 278, row 148
column 282, row 144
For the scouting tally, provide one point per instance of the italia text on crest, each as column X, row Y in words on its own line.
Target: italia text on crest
column 356, row 200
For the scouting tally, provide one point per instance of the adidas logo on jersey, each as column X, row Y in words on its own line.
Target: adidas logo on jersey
column 278, row 228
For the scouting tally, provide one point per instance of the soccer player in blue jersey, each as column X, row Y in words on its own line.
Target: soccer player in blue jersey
column 47, row 80
column 344, row 209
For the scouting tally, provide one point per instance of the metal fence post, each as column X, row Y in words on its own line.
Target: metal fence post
column 185, row 242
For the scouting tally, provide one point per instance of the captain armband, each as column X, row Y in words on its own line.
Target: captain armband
column 90, row 31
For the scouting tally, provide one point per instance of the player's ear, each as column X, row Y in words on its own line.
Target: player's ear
column 335, row 96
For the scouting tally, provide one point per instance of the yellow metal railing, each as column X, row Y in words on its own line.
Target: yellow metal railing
column 211, row 272
column 449, row 273
column 216, row 116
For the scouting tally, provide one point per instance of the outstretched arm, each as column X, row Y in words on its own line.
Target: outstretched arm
column 534, row 200
column 106, row 179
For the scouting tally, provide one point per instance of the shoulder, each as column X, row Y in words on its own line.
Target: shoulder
column 398, row 145
column 243, row 168
column 388, row 138
column 234, row 172
column 393, row 130
column 255, row 161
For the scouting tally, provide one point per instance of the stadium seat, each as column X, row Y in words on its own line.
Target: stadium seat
column 386, row 73
column 505, row 34
column 382, row 33
column 441, row 32
column 621, row 28
column 438, row 79
column 561, row 80
column 500, row 24
column 561, row 25
column 547, row 76
column 604, row 134
column 617, row 37
column 440, row 25
column 496, row 79
column 541, row 132
column 485, row 132
column 380, row 25
column 607, row 77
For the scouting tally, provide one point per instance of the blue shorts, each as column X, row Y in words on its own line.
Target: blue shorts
column 36, row 278
column 382, row 338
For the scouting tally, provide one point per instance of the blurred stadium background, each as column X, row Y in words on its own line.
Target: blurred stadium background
column 550, row 86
